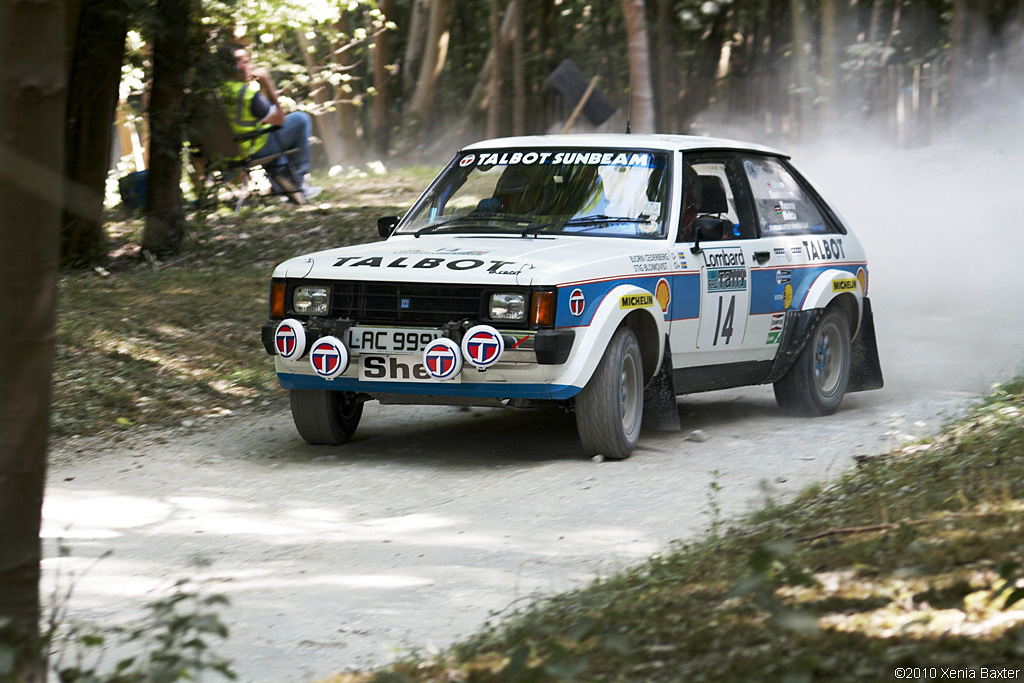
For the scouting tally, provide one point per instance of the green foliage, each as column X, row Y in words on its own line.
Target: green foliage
column 173, row 644
column 912, row 559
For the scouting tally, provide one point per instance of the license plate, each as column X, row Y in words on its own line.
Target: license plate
column 389, row 340
column 403, row 368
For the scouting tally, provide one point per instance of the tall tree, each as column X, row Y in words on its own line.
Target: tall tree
column 33, row 79
column 95, row 72
column 641, row 98
column 434, row 55
column 381, row 83
column 165, row 215
column 494, row 108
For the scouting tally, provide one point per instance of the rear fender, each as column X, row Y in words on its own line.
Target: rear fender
column 829, row 286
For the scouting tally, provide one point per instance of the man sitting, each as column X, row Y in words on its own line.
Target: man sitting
column 250, row 99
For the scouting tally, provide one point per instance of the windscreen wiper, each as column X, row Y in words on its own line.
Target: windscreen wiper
column 598, row 221
column 472, row 219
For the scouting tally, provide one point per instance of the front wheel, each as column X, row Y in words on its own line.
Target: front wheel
column 325, row 417
column 817, row 382
column 610, row 407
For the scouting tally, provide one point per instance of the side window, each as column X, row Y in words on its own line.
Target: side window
column 713, row 188
column 784, row 206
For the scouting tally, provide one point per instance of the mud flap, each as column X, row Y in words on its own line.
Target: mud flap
column 660, row 410
column 866, row 369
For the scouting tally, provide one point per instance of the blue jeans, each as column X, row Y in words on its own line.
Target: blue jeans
column 293, row 134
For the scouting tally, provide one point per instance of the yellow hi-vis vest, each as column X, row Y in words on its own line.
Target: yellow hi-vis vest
column 237, row 97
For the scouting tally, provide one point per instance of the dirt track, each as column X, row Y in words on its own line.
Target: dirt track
column 434, row 517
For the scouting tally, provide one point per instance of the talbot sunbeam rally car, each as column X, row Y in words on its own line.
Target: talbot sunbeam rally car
column 603, row 273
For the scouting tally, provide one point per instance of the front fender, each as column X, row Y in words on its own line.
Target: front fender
column 618, row 304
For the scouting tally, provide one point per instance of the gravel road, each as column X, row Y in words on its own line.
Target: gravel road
column 435, row 518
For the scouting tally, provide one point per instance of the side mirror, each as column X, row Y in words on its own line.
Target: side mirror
column 708, row 229
column 387, row 225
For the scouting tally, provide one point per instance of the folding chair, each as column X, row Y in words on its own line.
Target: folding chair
column 217, row 158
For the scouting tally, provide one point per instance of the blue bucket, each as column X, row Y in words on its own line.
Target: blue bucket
column 133, row 189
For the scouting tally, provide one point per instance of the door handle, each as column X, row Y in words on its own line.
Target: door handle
column 762, row 256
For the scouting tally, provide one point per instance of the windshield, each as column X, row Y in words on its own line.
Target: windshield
column 606, row 192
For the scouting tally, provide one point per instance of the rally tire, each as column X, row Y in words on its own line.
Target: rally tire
column 325, row 417
column 817, row 382
column 610, row 407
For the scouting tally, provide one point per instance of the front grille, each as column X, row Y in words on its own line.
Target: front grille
column 408, row 303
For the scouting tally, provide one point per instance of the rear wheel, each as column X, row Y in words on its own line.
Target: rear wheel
column 325, row 417
column 817, row 382
column 610, row 407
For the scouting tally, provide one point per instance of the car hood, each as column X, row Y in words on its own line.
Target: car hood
column 535, row 260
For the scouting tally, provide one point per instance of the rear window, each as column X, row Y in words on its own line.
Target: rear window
column 784, row 206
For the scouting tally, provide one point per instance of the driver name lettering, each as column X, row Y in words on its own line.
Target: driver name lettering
column 649, row 263
column 578, row 158
column 492, row 266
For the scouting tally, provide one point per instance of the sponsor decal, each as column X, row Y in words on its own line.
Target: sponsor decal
column 751, row 169
column 509, row 158
column 404, row 368
column 636, row 300
column 824, row 249
column 775, row 328
column 723, row 258
column 442, row 358
column 846, row 284
column 445, row 250
column 862, row 278
column 782, row 252
column 785, row 211
column 783, row 276
column 404, row 303
column 663, row 293
column 787, row 297
column 467, row 160
column 290, row 339
column 482, row 346
column 727, row 279
column 577, row 302
column 649, row 263
column 429, row 262
column 329, row 357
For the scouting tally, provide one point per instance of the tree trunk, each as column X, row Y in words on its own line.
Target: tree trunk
column 497, row 69
column 518, row 69
column 92, row 102
column 432, row 65
column 326, row 121
column 802, row 75
column 165, row 216
column 348, row 114
column 666, row 92
column 381, row 79
column 829, row 62
column 414, row 47
column 641, row 100
column 33, row 79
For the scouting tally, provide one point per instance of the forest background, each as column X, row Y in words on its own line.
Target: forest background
column 406, row 81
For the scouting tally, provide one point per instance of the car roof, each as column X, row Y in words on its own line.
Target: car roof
column 667, row 142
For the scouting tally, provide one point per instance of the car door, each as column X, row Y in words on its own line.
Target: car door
column 717, row 262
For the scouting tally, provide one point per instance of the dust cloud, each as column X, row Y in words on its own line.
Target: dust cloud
column 943, row 227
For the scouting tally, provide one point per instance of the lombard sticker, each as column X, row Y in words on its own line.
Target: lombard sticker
column 846, row 284
column 724, row 258
column 644, row 300
column 775, row 328
column 727, row 279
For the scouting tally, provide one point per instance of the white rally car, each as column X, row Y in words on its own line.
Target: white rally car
column 605, row 273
